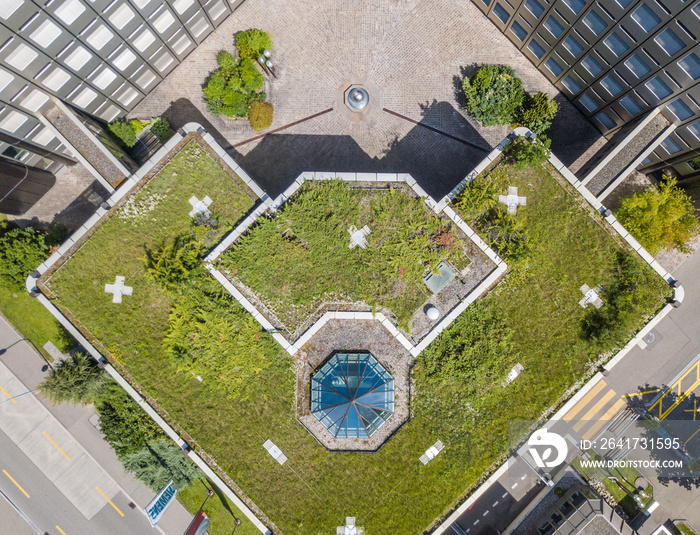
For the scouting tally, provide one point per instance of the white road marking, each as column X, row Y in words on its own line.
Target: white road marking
column 487, row 512
column 514, row 485
column 505, row 494
column 476, row 522
column 522, row 478
column 495, row 503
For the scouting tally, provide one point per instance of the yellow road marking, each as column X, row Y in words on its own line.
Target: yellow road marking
column 641, row 393
column 691, row 436
column 8, row 395
column 110, row 501
column 679, row 386
column 57, row 446
column 604, row 419
column 694, row 410
column 16, row 484
column 594, row 410
column 62, row 532
column 584, row 401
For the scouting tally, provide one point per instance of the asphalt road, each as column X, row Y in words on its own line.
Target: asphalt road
column 676, row 345
column 50, row 511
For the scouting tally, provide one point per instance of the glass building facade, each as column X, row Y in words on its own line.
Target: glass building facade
column 352, row 395
column 616, row 60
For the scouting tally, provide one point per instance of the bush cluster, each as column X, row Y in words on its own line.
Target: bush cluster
column 21, row 251
column 141, row 446
column 235, row 88
column 494, row 95
column 523, row 153
column 126, row 131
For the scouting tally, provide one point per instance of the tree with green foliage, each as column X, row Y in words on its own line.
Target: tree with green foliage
column 493, row 94
column 124, row 132
column 252, row 43
column 260, row 115
column 477, row 350
column 234, row 86
column 524, row 153
column 76, row 380
column 174, row 263
column 660, row 217
column 137, row 126
column 632, row 291
column 125, row 425
column 157, row 463
column 21, row 251
column 161, row 128
column 536, row 112
column 478, row 196
column 211, row 336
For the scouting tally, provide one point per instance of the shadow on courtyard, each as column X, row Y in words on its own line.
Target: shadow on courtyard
column 439, row 152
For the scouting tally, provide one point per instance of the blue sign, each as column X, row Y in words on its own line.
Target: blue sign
column 155, row 509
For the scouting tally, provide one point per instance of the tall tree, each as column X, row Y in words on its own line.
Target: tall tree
column 76, row 380
column 159, row 462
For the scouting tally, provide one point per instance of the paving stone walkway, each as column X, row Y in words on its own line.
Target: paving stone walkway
column 415, row 53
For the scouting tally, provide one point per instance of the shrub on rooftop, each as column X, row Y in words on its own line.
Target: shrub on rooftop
column 536, row 112
column 252, row 43
column 233, row 87
column 260, row 115
column 524, row 153
column 493, row 94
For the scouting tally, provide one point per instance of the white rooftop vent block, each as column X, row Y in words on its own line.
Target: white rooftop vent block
column 22, row 56
column 128, row 96
column 143, row 41
column 35, row 100
column 45, row 34
column 85, row 97
column 106, row 77
column 13, row 121
column 182, row 5
column 110, row 113
column 124, row 59
column 100, row 37
column 513, row 374
column 275, row 452
column 121, row 17
column 56, row 79
column 69, row 11
column 8, row 7
column 217, row 10
column 164, row 22
column 198, row 26
column 163, row 62
column 5, row 78
column 181, row 44
column 146, row 79
column 78, row 58
column 44, row 137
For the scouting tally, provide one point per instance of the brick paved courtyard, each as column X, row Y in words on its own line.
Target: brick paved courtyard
column 414, row 52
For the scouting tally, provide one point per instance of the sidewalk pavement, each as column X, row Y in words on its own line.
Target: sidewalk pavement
column 23, row 370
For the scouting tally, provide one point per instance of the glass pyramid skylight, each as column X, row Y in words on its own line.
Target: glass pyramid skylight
column 352, row 395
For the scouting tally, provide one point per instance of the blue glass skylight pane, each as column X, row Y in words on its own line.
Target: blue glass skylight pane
column 592, row 65
column 575, row 5
column 615, row 43
column 671, row 145
column 680, row 109
column 691, row 65
column 587, row 101
column 631, row 105
column 573, row 46
column 501, row 12
column 535, row 8
column 536, row 49
column 519, row 31
column 646, row 18
column 611, row 85
column 554, row 67
column 670, row 42
column 657, row 86
column 571, row 84
column 553, row 26
column 694, row 129
column 594, row 21
column 624, row 3
column 638, row 66
column 606, row 120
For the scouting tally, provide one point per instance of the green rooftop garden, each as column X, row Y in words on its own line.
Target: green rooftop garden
column 308, row 241
column 176, row 327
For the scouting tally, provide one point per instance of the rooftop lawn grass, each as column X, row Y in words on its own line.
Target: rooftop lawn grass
column 535, row 308
column 301, row 257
